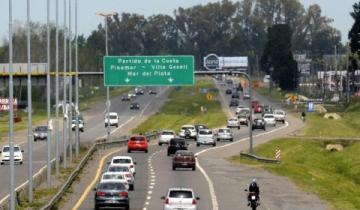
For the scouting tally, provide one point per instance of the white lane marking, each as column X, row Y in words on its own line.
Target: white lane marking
column 149, row 192
column 148, row 198
column 210, row 183
column 144, row 208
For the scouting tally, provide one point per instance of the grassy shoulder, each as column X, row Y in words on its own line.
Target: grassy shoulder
column 184, row 107
column 333, row 176
column 274, row 93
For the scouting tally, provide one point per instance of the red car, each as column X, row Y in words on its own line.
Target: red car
column 255, row 104
column 258, row 109
column 137, row 143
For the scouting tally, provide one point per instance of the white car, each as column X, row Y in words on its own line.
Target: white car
column 112, row 119
column 131, row 94
column 280, row 115
column 124, row 161
column 240, row 108
column 113, row 176
column 269, row 119
column 81, row 125
column 180, row 198
column 165, row 137
column 123, row 170
column 225, row 134
column 188, row 131
column 5, row 154
column 205, row 136
column 233, row 123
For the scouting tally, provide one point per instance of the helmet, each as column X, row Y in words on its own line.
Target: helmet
column 253, row 182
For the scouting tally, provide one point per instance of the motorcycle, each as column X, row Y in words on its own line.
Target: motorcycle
column 253, row 200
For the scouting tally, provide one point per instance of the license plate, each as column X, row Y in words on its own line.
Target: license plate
column 253, row 197
column 111, row 201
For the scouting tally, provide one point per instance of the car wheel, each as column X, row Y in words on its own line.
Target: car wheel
column 1, row 163
column 160, row 144
column 21, row 163
column 96, row 207
column 131, row 187
column 239, row 127
column 283, row 121
column 35, row 139
column 129, row 151
column 116, row 125
column 198, row 145
column 173, row 168
column 264, row 129
column 168, row 154
column 194, row 168
column 214, row 144
column 217, row 139
column 231, row 139
column 146, row 151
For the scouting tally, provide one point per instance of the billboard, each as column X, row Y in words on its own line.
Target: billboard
column 5, row 104
column 213, row 62
column 21, row 68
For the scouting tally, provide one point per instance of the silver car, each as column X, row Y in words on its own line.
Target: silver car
column 233, row 123
column 225, row 134
column 180, row 198
column 205, row 136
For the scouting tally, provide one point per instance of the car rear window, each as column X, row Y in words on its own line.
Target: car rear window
column 184, row 153
column 113, row 176
column 113, row 117
column 268, row 116
column 121, row 161
column 137, row 138
column 118, row 169
column 180, row 194
column 177, row 141
column 224, row 131
column 167, row 133
column 40, row 129
column 111, row 186
column 205, row 132
column 7, row 149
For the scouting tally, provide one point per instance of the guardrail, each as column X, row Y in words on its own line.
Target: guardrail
column 262, row 159
column 39, row 176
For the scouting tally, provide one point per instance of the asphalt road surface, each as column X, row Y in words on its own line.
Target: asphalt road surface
column 94, row 129
column 218, row 183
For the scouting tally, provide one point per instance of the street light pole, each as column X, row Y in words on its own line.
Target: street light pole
column 57, row 145
column 76, row 84
column 106, row 15
column 11, row 114
column 70, row 89
column 29, row 107
column 64, row 95
column 48, row 140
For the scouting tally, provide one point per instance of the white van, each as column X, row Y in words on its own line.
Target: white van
column 112, row 120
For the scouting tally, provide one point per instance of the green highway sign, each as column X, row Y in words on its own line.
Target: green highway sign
column 148, row 70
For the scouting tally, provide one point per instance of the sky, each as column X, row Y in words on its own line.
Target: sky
column 338, row 10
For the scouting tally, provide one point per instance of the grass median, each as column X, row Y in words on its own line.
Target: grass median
column 333, row 176
column 184, row 107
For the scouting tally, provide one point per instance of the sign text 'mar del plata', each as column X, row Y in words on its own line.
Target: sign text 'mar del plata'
column 148, row 70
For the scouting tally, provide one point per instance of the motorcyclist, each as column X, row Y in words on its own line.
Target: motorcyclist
column 254, row 188
column 303, row 115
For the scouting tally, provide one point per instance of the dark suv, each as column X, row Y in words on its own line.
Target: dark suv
column 184, row 159
column 175, row 145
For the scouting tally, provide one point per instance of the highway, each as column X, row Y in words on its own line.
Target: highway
column 216, row 181
column 94, row 129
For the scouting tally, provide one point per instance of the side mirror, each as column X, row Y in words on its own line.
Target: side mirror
column 135, row 163
column 245, row 190
column 95, row 189
column 162, row 197
column 195, row 156
column 197, row 198
column 22, row 150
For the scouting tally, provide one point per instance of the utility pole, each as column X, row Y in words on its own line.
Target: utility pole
column 57, row 140
column 11, row 114
column 48, row 139
column 65, row 114
column 29, row 107
column 70, row 89
column 77, row 84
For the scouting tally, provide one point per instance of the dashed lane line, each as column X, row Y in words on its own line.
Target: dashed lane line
column 93, row 182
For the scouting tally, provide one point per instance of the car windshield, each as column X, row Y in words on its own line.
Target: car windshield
column 111, row 186
column 167, row 133
column 42, row 128
column 233, row 119
column 184, row 153
column 113, row 176
column 187, row 128
column 268, row 116
column 118, row 169
column 137, row 138
column 121, row 161
column 177, row 141
column 205, row 132
column 180, row 194
column 224, row 131
column 7, row 149
column 113, row 117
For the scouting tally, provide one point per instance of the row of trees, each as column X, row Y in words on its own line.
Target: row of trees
column 226, row 28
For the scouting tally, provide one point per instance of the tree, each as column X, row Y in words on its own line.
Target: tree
column 277, row 58
column 354, row 33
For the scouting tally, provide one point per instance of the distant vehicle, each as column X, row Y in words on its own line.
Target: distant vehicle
column 280, row 115
column 40, row 132
column 112, row 119
column 111, row 194
column 180, row 198
column 269, row 119
column 81, row 125
column 198, row 127
column 255, row 104
column 139, row 91
column 267, row 110
column 123, row 170
column 246, row 96
column 134, row 106
column 188, row 131
column 239, row 87
column 235, row 95
column 225, row 134
column 184, row 159
column 152, row 92
column 244, row 118
column 240, row 108
column 233, row 123
column 124, row 161
column 229, row 82
column 258, row 124
column 266, row 78
column 258, row 109
column 125, row 98
column 5, row 155
column 234, row 103
column 228, row 91
column 206, row 137
column 175, row 145
column 165, row 137
column 137, row 143
column 131, row 94
column 114, row 176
